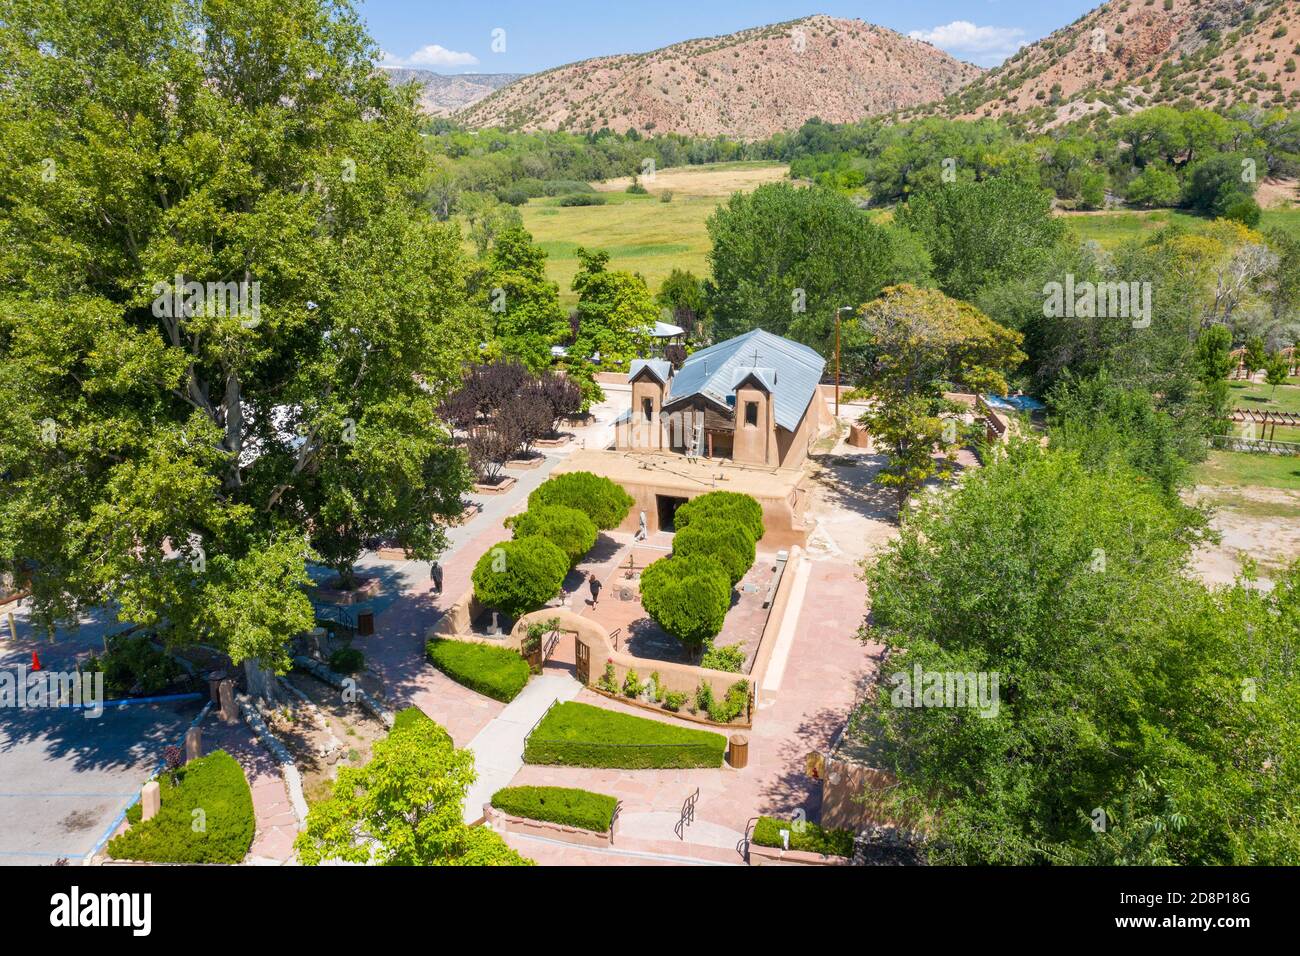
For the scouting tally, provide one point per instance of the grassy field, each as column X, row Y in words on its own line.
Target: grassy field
column 642, row 233
column 1109, row 229
column 1237, row 469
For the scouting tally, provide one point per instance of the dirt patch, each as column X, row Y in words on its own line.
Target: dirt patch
column 1276, row 193
column 324, row 732
column 1258, row 523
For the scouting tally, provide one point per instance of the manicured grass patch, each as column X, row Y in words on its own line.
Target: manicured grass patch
column 1259, row 397
column 580, row 735
column 1246, row 468
column 492, row 671
column 812, row 839
column 564, row 805
column 216, row 786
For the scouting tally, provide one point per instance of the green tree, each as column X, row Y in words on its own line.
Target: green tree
column 515, row 577
column 1275, row 372
column 979, row 233
column 1154, row 186
column 688, row 597
column 683, row 294
column 924, row 344
column 784, row 258
column 1213, row 366
column 567, row 528
column 602, row 500
column 523, row 305
column 1256, row 356
column 1123, row 685
column 248, row 145
column 1216, row 183
column 404, row 807
column 616, row 312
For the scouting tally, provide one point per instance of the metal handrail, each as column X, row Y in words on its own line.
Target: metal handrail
column 688, row 814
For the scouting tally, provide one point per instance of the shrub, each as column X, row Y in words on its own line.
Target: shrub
column 564, row 805
column 743, row 509
column 582, row 199
column 215, row 785
column 608, row 681
column 1244, row 210
column 732, row 705
column 603, row 501
column 579, row 735
column 703, row 697
column 132, row 665
column 516, row 577
column 631, row 684
column 688, row 598
column 567, row 528
column 492, row 671
column 347, row 660
column 636, row 189
column 809, row 838
column 414, row 717
column 666, row 196
column 674, row 700
column 656, row 687
column 724, row 540
column 729, row 658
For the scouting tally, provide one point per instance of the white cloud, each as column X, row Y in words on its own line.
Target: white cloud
column 429, row 56
column 984, row 45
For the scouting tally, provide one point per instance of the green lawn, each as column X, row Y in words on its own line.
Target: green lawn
column 1235, row 468
column 580, row 735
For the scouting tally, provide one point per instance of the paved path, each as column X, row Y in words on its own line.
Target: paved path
column 276, row 825
column 499, row 747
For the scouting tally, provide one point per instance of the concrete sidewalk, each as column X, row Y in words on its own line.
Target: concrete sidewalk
column 499, row 747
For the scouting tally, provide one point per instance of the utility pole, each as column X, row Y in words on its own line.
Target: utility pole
column 843, row 308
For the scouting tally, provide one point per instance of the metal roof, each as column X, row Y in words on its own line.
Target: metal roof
column 788, row 370
column 660, row 368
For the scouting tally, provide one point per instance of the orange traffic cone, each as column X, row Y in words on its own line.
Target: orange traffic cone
column 36, row 662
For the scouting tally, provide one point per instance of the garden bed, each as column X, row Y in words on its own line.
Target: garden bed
column 492, row 671
column 213, row 784
column 498, row 487
column 810, row 844
column 580, row 735
column 567, row 805
column 525, row 464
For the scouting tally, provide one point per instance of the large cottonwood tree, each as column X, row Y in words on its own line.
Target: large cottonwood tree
column 245, row 142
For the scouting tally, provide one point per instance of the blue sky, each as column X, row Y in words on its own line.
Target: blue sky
column 458, row 37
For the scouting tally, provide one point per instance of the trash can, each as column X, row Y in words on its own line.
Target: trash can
column 738, row 752
column 365, row 622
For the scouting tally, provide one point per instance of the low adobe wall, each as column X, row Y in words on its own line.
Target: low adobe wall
column 775, row 856
column 775, row 617
column 456, row 625
column 503, row 822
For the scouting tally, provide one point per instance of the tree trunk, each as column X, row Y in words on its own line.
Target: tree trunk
column 261, row 682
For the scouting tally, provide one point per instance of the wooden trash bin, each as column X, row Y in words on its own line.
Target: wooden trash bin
column 738, row 752
column 365, row 623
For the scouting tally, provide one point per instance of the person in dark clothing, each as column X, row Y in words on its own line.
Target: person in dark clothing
column 435, row 575
column 595, row 588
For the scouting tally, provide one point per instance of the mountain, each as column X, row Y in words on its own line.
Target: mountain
column 1131, row 54
column 441, row 94
column 747, row 85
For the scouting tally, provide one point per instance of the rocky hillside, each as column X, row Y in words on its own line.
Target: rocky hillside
column 747, row 85
column 1131, row 54
column 441, row 95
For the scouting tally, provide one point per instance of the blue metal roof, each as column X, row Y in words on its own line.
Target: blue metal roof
column 788, row 370
column 660, row 368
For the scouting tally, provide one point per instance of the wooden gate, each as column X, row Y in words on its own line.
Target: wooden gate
column 582, row 659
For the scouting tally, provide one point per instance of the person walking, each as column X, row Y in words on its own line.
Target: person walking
column 595, row 588
column 435, row 575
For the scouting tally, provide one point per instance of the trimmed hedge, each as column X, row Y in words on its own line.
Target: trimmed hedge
column 813, row 839
column 580, row 735
column 214, row 784
column 730, row 506
column 563, row 805
column 567, row 528
column 492, row 671
column 516, row 577
column 687, row 597
column 726, row 541
column 602, row 500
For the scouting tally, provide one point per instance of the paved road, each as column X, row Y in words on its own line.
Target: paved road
column 64, row 777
